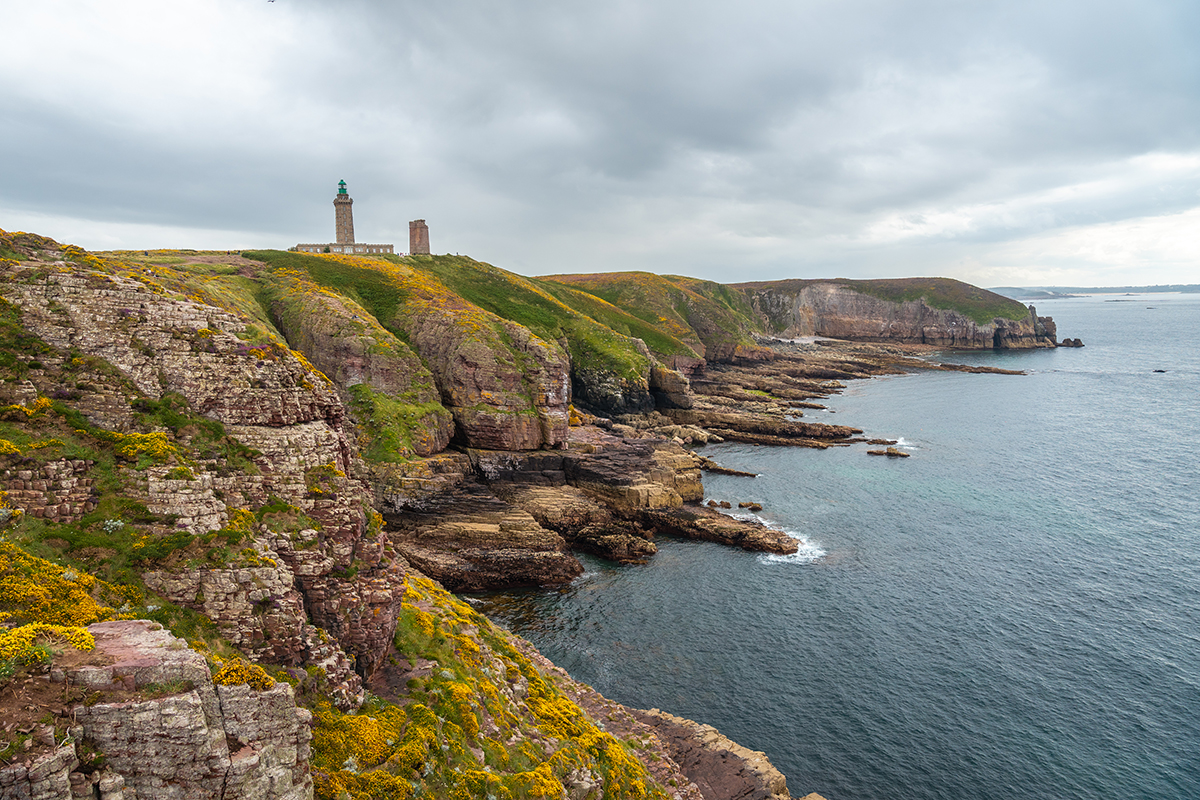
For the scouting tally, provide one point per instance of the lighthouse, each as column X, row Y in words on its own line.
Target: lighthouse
column 343, row 222
column 343, row 215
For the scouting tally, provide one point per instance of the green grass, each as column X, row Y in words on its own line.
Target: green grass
column 679, row 307
column 205, row 438
column 660, row 342
column 733, row 300
column 390, row 423
column 19, row 345
column 590, row 342
column 972, row 302
column 371, row 288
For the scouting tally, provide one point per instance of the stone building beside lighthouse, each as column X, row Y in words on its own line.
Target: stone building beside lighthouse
column 418, row 238
column 343, row 221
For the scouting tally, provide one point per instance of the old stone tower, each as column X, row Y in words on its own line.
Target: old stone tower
column 343, row 215
column 418, row 237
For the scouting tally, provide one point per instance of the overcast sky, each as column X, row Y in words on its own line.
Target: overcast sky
column 1023, row 142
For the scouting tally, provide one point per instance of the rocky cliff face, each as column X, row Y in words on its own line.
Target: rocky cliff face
column 506, row 387
column 838, row 311
column 394, row 390
column 299, row 445
column 165, row 729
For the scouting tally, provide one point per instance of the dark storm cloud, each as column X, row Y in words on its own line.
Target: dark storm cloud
column 791, row 137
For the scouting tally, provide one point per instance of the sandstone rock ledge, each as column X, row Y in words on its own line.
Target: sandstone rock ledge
column 719, row 766
column 165, row 730
column 698, row 522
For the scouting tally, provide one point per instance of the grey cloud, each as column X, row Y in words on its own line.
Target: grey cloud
column 693, row 128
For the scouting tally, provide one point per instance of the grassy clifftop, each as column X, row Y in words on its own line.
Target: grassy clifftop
column 708, row 318
column 528, row 303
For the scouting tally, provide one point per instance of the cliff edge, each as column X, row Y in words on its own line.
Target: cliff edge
column 932, row 311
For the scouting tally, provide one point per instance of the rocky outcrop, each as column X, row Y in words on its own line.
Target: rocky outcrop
column 507, row 388
column 416, row 485
column 721, row 768
column 518, row 402
column 606, row 393
column 269, row 399
column 165, row 730
column 631, row 475
column 57, row 491
column 707, row 524
column 763, row 428
column 471, row 540
column 836, row 310
column 670, row 388
column 586, row 525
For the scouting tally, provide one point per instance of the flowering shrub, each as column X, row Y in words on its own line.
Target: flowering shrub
column 155, row 447
column 235, row 671
column 322, row 479
column 241, row 519
column 466, row 734
column 19, row 644
column 40, row 406
column 35, row 590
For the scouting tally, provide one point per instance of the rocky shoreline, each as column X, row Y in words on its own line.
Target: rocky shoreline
column 232, row 446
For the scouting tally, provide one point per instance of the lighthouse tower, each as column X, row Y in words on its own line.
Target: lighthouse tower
column 343, row 215
column 343, row 220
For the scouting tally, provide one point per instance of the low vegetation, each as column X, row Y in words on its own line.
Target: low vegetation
column 712, row 327
column 528, row 303
column 480, row 721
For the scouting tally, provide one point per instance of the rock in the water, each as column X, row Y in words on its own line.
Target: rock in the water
column 891, row 452
column 698, row 522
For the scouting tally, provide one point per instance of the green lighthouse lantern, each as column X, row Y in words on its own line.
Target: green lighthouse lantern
column 341, row 187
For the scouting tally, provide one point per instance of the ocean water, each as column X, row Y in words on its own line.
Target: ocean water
column 1012, row 612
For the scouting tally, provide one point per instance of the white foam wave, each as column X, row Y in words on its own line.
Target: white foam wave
column 807, row 553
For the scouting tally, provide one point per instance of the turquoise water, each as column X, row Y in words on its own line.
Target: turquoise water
column 1012, row 612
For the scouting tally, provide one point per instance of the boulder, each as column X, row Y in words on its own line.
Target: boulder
column 670, row 388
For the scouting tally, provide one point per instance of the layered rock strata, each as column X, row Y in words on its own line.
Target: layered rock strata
column 472, row 540
column 833, row 309
column 349, row 345
column 272, row 401
column 166, row 730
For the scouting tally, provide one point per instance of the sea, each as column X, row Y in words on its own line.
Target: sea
column 1011, row 612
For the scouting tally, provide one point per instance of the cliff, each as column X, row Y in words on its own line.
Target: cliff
column 279, row 463
column 931, row 311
